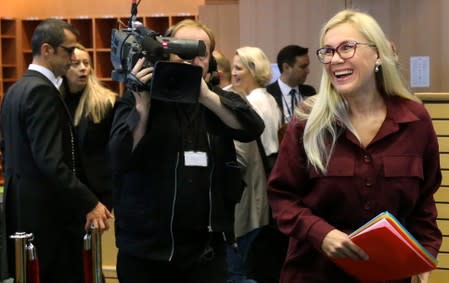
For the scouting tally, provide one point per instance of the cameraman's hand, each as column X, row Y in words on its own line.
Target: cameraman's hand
column 143, row 99
column 143, row 74
column 212, row 101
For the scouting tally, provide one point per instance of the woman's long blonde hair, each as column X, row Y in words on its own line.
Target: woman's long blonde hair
column 327, row 113
column 96, row 100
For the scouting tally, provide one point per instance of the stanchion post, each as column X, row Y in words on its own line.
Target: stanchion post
column 20, row 243
column 96, row 256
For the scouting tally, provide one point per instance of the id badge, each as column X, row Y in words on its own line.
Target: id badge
column 195, row 158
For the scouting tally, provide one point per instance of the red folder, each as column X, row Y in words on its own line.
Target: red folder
column 393, row 252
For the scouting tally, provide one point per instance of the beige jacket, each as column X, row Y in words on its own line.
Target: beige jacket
column 252, row 210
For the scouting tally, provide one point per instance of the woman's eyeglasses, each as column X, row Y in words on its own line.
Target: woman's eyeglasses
column 345, row 50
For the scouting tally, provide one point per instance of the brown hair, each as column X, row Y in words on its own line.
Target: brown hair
column 192, row 23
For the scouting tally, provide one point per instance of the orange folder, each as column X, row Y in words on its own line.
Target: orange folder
column 393, row 252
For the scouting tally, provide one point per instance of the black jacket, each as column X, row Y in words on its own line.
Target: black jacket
column 149, row 179
column 93, row 139
column 43, row 194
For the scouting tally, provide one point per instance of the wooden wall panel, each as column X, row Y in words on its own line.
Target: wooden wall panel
column 418, row 28
column 224, row 21
column 442, row 195
column 384, row 11
column 439, row 276
column 91, row 8
column 445, row 180
column 445, row 244
column 441, row 127
column 438, row 104
column 272, row 24
column 444, row 160
column 443, row 261
column 444, row 227
column 214, row 2
column 438, row 110
column 443, row 211
column 424, row 33
column 443, row 142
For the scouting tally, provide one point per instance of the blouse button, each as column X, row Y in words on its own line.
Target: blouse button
column 367, row 205
column 368, row 183
column 366, row 158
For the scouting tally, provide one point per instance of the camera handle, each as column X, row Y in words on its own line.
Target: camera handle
column 133, row 18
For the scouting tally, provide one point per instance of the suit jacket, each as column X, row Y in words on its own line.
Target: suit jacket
column 274, row 89
column 43, row 194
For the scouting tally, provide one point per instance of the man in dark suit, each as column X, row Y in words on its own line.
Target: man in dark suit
column 293, row 62
column 43, row 191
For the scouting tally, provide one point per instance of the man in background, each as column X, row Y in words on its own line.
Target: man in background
column 223, row 69
column 293, row 62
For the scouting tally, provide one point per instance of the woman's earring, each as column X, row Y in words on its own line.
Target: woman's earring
column 376, row 68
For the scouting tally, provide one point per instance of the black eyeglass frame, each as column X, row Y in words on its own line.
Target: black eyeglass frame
column 351, row 43
column 69, row 50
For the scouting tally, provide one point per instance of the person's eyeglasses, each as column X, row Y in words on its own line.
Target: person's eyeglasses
column 345, row 50
column 69, row 50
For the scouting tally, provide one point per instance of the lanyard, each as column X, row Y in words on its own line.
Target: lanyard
column 289, row 108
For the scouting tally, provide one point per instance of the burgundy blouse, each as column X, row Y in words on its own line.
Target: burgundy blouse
column 399, row 171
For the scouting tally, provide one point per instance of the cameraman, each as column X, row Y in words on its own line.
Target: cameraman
column 177, row 179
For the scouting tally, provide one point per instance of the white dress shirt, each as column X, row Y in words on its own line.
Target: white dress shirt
column 56, row 81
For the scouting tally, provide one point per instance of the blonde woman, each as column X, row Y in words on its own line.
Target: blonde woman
column 352, row 152
column 91, row 105
column 251, row 72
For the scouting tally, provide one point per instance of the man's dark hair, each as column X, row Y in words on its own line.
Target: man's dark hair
column 288, row 55
column 50, row 31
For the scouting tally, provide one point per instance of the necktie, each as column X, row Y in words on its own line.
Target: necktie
column 294, row 101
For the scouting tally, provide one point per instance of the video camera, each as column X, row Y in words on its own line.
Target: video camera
column 178, row 82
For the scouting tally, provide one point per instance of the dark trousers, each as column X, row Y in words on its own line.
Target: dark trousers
column 59, row 249
column 267, row 255
column 238, row 260
column 3, row 241
column 132, row 269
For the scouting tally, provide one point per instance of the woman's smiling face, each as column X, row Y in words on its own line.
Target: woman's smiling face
column 241, row 76
column 354, row 75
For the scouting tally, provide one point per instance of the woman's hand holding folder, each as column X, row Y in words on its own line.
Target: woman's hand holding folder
column 337, row 244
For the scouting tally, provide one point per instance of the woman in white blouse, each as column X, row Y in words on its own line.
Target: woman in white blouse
column 251, row 72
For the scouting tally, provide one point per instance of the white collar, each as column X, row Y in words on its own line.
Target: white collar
column 56, row 81
column 285, row 89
